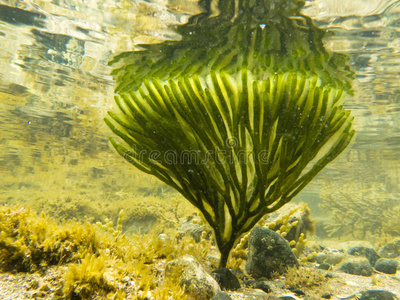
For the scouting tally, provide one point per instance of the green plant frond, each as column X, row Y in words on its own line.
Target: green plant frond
column 255, row 144
column 242, row 112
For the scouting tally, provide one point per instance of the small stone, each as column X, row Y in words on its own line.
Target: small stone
column 391, row 250
column 334, row 258
column 352, row 283
column 358, row 266
column 226, row 279
column 386, row 265
column 376, row 295
column 323, row 266
column 329, row 275
column 298, row 292
column 198, row 284
column 261, row 285
column 221, row 296
column 189, row 228
column 163, row 237
column 38, row 294
column 319, row 258
column 44, row 287
column 326, row 296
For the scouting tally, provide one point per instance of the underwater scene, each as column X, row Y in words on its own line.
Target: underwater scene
column 200, row 149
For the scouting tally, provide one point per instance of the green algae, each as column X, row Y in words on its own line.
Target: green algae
column 255, row 99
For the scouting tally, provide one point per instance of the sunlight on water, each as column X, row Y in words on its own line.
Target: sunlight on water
column 55, row 90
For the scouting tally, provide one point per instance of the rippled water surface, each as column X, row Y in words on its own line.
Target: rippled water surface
column 55, row 90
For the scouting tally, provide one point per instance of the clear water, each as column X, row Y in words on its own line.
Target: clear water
column 55, row 90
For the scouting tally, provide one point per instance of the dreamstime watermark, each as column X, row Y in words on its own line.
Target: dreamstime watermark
column 231, row 154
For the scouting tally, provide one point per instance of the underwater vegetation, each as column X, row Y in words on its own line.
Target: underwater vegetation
column 97, row 261
column 359, row 212
column 239, row 115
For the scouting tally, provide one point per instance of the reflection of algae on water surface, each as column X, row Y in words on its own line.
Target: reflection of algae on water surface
column 252, row 92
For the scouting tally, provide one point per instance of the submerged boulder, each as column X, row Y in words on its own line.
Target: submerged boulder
column 198, row 284
column 268, row 253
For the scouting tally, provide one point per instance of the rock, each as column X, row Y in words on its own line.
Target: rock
column 331, row 258
column 334, row 258
column 268, row 252
column 376, row 295
column 326, row 296
column 198, row 284
column 251, row 294
column 221, row 296
column 298, row 292
column 369, row 253
column 356, row 266
column 319, row 258
column 226, row 279
column 323, row 266
column 188, row 228
column 239, row 274
column 302, row 214
column 386, row 265
column 391, row 250
column 261, row 285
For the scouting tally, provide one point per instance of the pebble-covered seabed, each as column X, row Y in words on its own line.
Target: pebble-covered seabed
column 22, row 286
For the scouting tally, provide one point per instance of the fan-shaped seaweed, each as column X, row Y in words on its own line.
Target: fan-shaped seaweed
column 239, row 115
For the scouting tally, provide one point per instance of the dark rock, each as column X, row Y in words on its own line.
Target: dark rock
column 357, row 266
column 226, row 279
column 369, row 253
column 249, row 282
column 221, row 296
column 268, row 252
column 324, row 266
column 298, row 292
column 326, row 296
column 239, row 274
column 287, row 298
column 376, row 295
column 386, row 265
column 261, row 285
column 391, row 250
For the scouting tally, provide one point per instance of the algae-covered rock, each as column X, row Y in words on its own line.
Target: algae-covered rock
column 269, row 253
column 386, row 265
column 376, row 295
column 369, row 253
column 390, row 250
column 188, row 272
column 356, row 266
